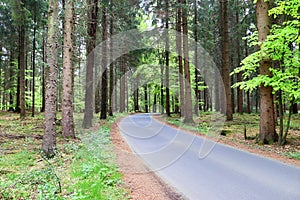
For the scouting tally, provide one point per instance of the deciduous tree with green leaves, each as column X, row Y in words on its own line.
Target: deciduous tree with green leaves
column 281, row 46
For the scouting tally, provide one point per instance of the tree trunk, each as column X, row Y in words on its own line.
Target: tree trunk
column 179, row 58
column 33, row 65
column 295, row 108
column 43, row 71
column 104, row 67
column 267, row 122
column 217, row 93
column 11, row 82
column 49, row 139
column 196, row 107
column 161, row 86
column 136, row 94
column 122, row 84
column 91, row 40
column 111, row 69
column 167, row 60
column 188, row 117
column 67, row 94
column 232, row 97
column 287, row 124
column 239, row 95
column 97, row 93
column 225, row 58
column 154, row 101
column 22, row 71
column 146, row 98
column 239, row 75
column 248, row 103
column 281, row 116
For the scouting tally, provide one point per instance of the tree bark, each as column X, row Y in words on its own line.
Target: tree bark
column 136, row 94
column 217, row 93
column 49, row 138
column 22, row 71
column 161, row 86
column 33, row 63
column 11, row 81
column 295, row 108
column 267, row 121
column 197, row 99
column 225, row 58
column 122, row 84
column 111, row 69
column 103, row 114
column 43, row 71
column 281, row 116
column 67, row 90
column 146, row 98
column 239, row 75
column 179, row 58
column 91, row 40
column 167, row 52
column 188, row 117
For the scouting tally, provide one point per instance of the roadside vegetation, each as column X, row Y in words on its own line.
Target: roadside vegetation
column 83, row 168
column 244, row 129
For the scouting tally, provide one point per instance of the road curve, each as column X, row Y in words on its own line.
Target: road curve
column 225, row 173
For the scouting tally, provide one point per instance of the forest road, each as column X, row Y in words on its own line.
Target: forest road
column 201, row 169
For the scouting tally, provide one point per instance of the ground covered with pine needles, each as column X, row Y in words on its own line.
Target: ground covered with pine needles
column 83, row 168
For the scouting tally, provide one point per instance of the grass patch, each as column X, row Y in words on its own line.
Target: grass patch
column 82, row 169
column 93, row 167
column 202, row 123
column 293, row 155
column 239, row 124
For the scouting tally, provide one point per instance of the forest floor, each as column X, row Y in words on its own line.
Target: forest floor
column 83, row 168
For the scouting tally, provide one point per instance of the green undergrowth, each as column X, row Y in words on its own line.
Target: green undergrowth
column 241, row 123
column 202, row 123
column 293, row 155
column 83, row 168
column 244, row 128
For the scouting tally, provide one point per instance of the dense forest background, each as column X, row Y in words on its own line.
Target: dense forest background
column 50, row 60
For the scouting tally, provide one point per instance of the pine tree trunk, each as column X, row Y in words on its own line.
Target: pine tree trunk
column 146, row 98
column 49, row 139
column 111, row 69
column 33, row 65
column 167, row 60
column 188, row 117
column 91, row 40
column 103, row 114
column 22, row 71
column 97, row 93
column 122, row 84
column 67, row 90
column 161, row 86
column 196, row 107
column 43, row 71
column 11, row 82
column 267, row 122
column 154, row 102
column 225, row 58
column 247, row 93
column 179, row 58
column 239, row 75
column 136, row 94
column 217, row 93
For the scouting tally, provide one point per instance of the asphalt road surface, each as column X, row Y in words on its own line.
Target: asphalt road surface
column 201, row 169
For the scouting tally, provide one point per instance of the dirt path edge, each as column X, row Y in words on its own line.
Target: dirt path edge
column 140, row 181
